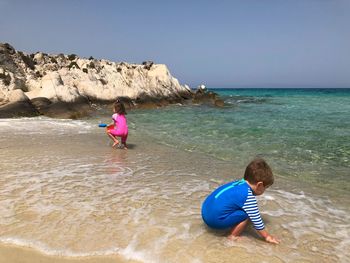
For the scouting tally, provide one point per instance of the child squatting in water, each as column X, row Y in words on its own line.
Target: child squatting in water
column 120, row 128
column 232, row 205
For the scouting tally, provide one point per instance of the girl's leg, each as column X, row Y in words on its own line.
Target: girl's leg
column 114, row 139
column 124, row 141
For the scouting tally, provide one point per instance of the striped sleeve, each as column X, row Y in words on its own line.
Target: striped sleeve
column 251, row 208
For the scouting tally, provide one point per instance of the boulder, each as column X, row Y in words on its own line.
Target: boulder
column 7, row 48
column 18, row 109
column 66, row 110
column 203, row 96
column 41, row 103
column 16, row 96
column 3, row 99
column 52, row 88
column 39, row 58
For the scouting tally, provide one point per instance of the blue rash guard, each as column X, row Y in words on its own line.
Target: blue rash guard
column 231, row 204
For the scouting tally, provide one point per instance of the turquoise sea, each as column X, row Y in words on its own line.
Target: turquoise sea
column 64, row 191
column 303, row 133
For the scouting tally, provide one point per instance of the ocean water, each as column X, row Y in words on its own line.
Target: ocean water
column 303, row 133
column 64, row 191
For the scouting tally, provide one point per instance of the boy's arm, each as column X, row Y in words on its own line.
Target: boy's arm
column 251, row 208
column 268, row 238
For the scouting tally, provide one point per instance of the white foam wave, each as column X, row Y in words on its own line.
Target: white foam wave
column 129, row 253
column 306, row 217
column 44, row 125
column 43, row 248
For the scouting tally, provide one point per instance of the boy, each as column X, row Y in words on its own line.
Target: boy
column 232, row 204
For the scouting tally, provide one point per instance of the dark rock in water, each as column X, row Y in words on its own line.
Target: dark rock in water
column 203, row 96
column 186, row 95
column 18, row 109
column 148, row 102
column 154, row 104
column 41, row 102
column 83, row 106
column 201, row 90
column 219, row 103
column 65, row 110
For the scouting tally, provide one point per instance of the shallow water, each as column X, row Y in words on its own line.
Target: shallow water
column 64, row 191
column 304, row 134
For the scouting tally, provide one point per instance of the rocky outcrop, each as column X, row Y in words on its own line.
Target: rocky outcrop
column 202, row 95
column 65, row 81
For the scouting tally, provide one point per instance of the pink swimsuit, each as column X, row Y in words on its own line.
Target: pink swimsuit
column 120, row 126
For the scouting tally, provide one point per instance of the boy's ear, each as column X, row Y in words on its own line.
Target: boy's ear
column 259, row 185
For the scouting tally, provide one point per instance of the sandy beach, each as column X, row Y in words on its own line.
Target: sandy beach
column 92, row 203
column 25, row 255
column 15, row 254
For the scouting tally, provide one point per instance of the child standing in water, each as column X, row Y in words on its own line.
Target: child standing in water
column 120, row 124
column 232, row 205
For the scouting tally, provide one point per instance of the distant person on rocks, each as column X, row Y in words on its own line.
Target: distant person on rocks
column 232, row 205
column 119, row 126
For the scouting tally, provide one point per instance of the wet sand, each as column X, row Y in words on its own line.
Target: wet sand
column 15, row 254
column 162, row 188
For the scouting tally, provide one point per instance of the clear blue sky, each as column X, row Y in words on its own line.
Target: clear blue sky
column 243, row 43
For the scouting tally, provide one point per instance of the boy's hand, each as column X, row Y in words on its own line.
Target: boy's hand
column 272, row 240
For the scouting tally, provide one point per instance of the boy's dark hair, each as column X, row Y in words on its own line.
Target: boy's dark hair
column 259, row 171
column 119, row 107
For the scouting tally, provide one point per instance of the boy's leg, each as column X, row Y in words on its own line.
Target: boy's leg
column 238, row 229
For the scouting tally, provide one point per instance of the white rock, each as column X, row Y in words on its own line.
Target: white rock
column 3, row 98
column 16, row 95
column 104, row 80
column 39, row 58
column 52, row 79
column 53, row 88
column 33, row 84
column 67, row 94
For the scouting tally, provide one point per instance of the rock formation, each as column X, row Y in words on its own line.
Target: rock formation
column 42, row 82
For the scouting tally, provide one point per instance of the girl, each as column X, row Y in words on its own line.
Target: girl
column 120, row 124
